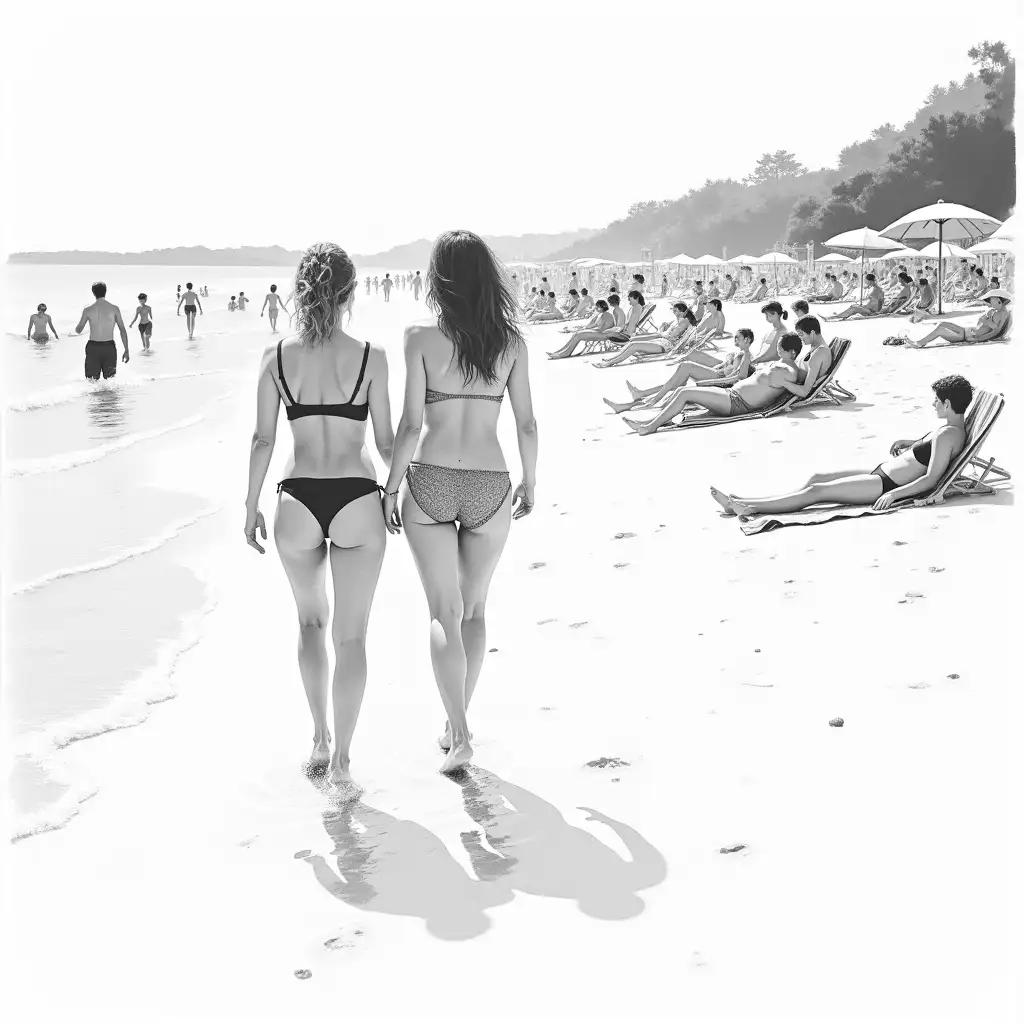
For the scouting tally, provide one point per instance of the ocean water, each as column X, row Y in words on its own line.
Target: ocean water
column 101, row 593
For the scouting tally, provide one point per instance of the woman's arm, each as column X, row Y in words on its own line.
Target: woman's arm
column 411, row 423
column 521, row 399
column 815, row 369
column 380, row 406
column 268, row 402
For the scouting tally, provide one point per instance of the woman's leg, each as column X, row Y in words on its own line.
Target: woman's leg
column 479, row 553
column 570, row 346
column 435, row 550
column 714, row 399
column 300, row 543
column 358, row 538
column 633, row 348
column 862, row 489
column 945, row 330
column 846, row 313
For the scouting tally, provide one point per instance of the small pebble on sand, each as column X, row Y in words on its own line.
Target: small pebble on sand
column 836, row 723
column 303, row 975
column 733, row 849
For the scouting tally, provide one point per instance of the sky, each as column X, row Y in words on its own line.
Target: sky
column 130, row 125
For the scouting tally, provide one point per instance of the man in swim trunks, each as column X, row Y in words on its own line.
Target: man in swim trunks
column 100, row 350
column 753, row 393
column 144, row 314
column 191, row 301
column 274, row 301
column 242, row 300
column 39, row 323
column 387, row 287
column 417, row 285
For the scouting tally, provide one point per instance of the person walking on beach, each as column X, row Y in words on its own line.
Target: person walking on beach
column 191, row 301
column 457, row 500
column 144, row 314
column 40, row 324
column 100, row 350
column 387, row 287
column 274, row 301
column 328, row 506
column 417, row 286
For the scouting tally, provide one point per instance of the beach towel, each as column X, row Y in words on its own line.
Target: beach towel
column 957, row 480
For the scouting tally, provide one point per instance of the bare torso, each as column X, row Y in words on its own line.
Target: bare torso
column 756, row 390
column 102, row 316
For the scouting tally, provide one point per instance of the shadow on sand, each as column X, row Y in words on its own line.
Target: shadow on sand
column 391, row 866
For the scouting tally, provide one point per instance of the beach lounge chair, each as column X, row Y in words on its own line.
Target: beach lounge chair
column 828, row 389
column 1000, row 335
column 967, row 474
column 601, row 345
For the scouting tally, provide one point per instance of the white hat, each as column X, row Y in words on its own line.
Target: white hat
column 997, row 293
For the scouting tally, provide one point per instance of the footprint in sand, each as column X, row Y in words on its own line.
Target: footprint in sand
column 249, row 841
column 779, row 441
column 544, row 622
column 899, row 543
column 607, row 762
column 576, row 625
column 935, row 568
column 621, row 565
column 492, row 650
column 911, row 596
column 973, row 511
column 733, row 849
column 917, row 686
column 624, row 536
column 546, row 708
column 537, row 565
column 953, row 675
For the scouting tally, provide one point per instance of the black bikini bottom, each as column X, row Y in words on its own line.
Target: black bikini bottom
column 887, row 481
column 325, row 497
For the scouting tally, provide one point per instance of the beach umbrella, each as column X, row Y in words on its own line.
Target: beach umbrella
column 998, row 243
column 742, row 258
column 862, row 240
column 899, row 254
column 941, row 219
column 682, row 259
column 775, row 258
column 836, row 258
column 948, row 251
column 707, row 260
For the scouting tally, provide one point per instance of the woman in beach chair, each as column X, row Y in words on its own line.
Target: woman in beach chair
column 328, row 506
column 913, row 467
column 457, row 498
column 712, row 326
column 562, row 313
column 775, row 315
column 654, row 344
column 601, row 323
column 990, row 326
column 736, row 365
column 730, row 288
column 832, row 293
column 625, row 330
column 873, row 304
column 759, row 293
column 751, row 394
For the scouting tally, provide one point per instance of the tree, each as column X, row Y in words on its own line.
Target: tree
column 638, row 208
column 773, row 167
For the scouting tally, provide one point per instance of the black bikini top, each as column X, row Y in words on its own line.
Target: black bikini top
column 922, row 451
column 346, row 410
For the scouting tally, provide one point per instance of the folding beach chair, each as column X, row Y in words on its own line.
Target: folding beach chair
column 998, row 336
column 828, row 389
column 967, row 474
column 605, row 345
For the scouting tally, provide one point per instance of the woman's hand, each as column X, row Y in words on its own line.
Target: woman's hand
column 254, row 521
column 392, row 517
column 524, row 495
column 884, row 502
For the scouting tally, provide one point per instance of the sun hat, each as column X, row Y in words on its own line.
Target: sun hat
column 997, row 293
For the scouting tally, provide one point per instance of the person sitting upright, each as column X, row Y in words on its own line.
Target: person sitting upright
column 751, row 394
column 730, row 288
column 595, row 330
column 871, row 306
column 912, row 469
column 991, row 325
column 760, row 291
column 654, row 344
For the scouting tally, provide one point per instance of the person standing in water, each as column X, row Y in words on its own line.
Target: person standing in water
column 39, row 325
column 242, row 301
column 191, row 301
column 457, row 499
column 274, row 301
column 144, row 314
column 100, row 350
column 328, row 508
column 387, row 287
column 417, row 286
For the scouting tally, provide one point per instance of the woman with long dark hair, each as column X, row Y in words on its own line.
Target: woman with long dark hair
column 457, row 500
column 328, row 382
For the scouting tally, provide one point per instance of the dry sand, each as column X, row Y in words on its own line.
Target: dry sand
column 629, row 621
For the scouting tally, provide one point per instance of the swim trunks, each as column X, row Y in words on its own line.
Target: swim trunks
column 100, row 357
column 146, row 328
column 737, row 405
column 40, row 337
column 190, row 309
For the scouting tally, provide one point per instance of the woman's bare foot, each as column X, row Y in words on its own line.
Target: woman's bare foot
column 321, row 751
column 341, row 774
column 724, row 500
column 618, row 407
column 444, row 741
column 636, row 392
column 641, row 427
column 459, row 755
column 741, row 508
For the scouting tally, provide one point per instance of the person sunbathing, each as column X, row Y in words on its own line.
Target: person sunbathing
column 657, row 343
column 713, row 290
column 586, row 304
column 775, row 315
column 993, row 284
column 800, row 308
column 991, row 324
column 815, row 357
column 711, row 327
column 833, row 290
column 901, row 298
column 870, row 307
column 760, row 291
column 912, row 469
column 597, row 329
column 699, row 368
column 545, row 306
column 624, row 331
column 751, row 394
column 730, row 288
column 638, row 283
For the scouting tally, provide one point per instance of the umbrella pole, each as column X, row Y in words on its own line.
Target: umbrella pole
column 940, row 268
column 862, row 252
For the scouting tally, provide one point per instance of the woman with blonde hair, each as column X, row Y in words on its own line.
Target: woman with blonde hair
column 457, row 498
column 328, row 505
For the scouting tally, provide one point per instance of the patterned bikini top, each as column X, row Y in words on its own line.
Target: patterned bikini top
column 443, row 396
